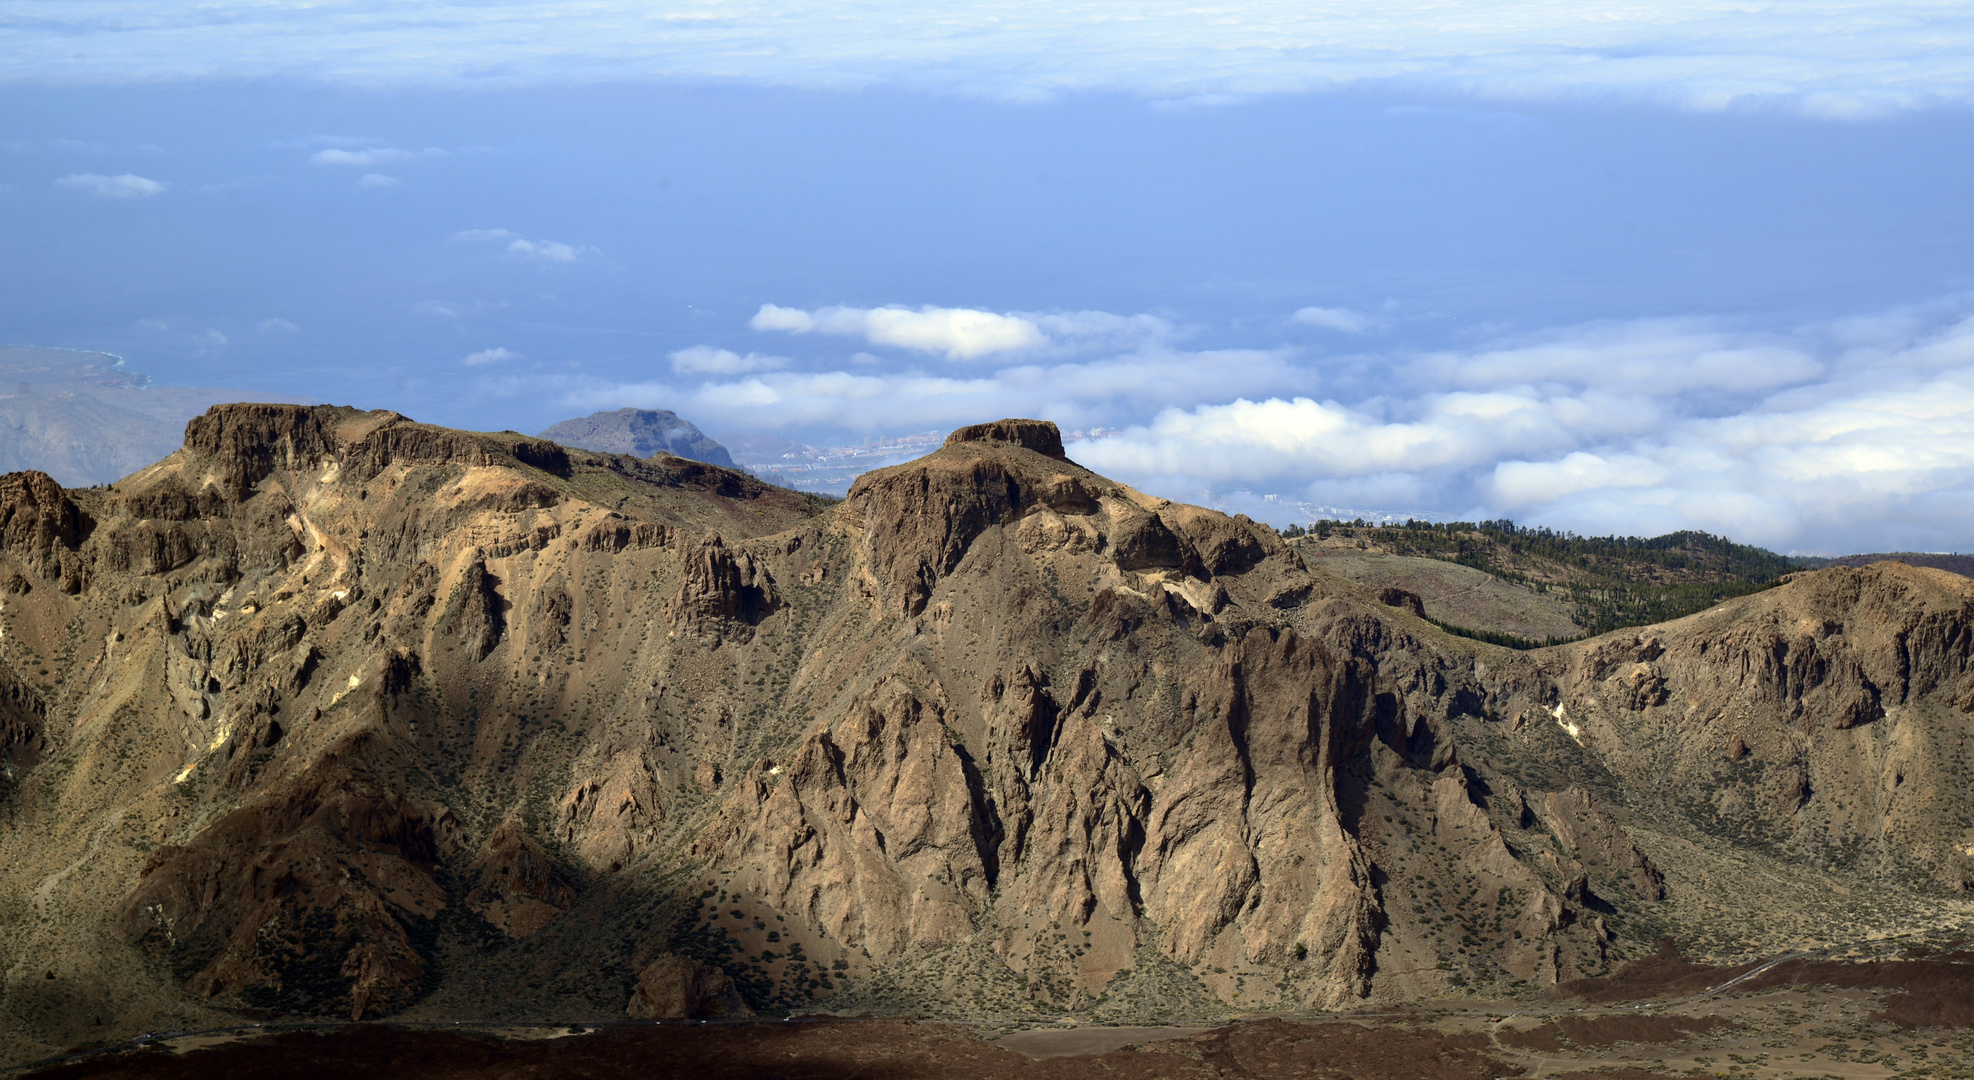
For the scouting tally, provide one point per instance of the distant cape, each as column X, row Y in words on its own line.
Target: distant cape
column 83, row 419
column 640, row 433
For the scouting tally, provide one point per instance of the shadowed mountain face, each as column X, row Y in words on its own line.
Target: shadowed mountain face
column 640, row 433
column 333, row 713
column 83, row 419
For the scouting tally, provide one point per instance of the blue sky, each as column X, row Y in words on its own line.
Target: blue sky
column 1626, row 267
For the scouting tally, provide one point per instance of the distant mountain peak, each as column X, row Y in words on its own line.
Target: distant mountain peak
column 640, row 433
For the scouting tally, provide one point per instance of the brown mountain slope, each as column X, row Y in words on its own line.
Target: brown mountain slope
column 335, row 713
column 1828, row 719
column 1957, row 564
column 1450, row 593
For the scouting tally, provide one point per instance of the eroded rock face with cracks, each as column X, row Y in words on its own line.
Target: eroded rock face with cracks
column 1828, row 718
column 678, row 988
column 334, row 713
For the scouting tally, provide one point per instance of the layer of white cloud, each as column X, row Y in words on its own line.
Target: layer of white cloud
column 311, row 142
column 371, row 156
column 1654, row 357
column 123, row 186
column 1330, row 318
column 969, row 333
column 1077, row 395
column 1835, row 57
column 957, row 333
column 491, row 356
column 1787, row 440
column 1852, row 435
column 553, row 251
column 548, row 251
column 706, row 360
column 377, row 180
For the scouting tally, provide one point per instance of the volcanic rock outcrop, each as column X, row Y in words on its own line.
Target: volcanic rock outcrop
column 677, row 988
column 333, row 713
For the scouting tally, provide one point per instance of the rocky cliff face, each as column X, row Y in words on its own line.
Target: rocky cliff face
column 335, row 713
column 1827, row 719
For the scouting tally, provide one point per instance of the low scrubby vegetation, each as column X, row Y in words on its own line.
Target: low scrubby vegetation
column 1609, row 582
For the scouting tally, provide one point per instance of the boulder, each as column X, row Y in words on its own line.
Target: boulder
column 674, row 987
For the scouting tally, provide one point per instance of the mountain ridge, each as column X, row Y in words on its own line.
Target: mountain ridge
column 357, row 716
column 1953, row 564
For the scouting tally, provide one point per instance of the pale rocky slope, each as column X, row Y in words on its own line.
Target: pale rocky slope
column 335, row 713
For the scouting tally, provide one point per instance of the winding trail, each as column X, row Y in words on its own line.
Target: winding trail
column 44, row 891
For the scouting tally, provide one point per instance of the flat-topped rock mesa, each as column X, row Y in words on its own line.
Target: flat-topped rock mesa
column 335, row 713
column 640, row 433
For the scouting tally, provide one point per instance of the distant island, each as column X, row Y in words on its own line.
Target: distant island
column 640, row 433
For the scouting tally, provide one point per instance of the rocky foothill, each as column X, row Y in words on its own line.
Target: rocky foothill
column 331, row 713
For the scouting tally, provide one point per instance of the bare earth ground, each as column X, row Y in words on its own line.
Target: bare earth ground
column 1070, row 1041
column 1911, row 1017
column 1454, row 594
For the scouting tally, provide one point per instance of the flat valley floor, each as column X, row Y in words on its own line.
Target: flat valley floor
column 1912, row 1017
